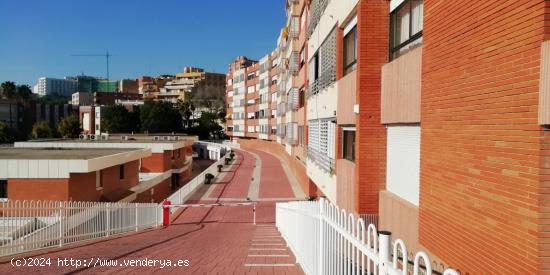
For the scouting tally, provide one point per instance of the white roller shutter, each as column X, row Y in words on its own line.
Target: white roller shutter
column 403, row 163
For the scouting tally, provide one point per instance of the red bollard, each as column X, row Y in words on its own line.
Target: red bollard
column 166, row 213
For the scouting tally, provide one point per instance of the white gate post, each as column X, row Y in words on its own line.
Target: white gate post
column 384, row 238
column 321, row 237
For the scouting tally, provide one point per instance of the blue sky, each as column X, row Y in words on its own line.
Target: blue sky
column 38, row 37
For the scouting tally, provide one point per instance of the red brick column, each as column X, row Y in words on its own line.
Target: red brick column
column 372, row 51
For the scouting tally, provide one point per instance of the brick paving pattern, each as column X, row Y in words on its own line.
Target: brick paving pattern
column 218, row 240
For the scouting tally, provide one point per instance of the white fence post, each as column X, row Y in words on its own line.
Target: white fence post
column 60, row 205
column 384, row 252
column 108, row 219
column 136, row 217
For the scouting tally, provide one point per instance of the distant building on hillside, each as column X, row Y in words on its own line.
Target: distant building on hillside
column 92, row 84
column 129, row 86
column 51, row 86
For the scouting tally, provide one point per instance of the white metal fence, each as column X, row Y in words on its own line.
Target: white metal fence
column 183, row 194
column 327, row 240
column 32, row 225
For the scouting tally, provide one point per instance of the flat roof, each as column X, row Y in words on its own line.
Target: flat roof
column 157, row 144
column 56, row 163
column 59, row 153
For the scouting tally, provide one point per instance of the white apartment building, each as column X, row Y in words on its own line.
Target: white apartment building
column 50, row 86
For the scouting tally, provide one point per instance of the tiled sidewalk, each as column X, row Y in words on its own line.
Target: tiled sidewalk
column 220, row 240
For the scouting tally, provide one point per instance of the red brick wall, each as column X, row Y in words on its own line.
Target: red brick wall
column 111, row 179
column 38, row 189
column 480, row 152
column 160, row 192
column 296, row 167
column 82, row 187
column 372, row 51
column 157, row 162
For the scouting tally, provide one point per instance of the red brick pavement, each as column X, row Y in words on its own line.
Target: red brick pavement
column 273, row 183
column 235, row 184
column 216, row 240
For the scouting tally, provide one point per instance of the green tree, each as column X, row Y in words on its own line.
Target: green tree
column 7, row 89
column 208, row 127
column 24, row 92
column 160, row 117
column 117, row 119
column 6, row 134
column 69, row 127
column 186, row 109
column 42, row 129
column 53, row 99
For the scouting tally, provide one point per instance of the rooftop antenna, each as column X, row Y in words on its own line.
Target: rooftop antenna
column 106, row 55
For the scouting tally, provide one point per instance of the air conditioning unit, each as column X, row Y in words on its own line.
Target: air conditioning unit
column 156, row 138
column 105, row 136
column 166, row 138
column 82, row 137
column 93, row 137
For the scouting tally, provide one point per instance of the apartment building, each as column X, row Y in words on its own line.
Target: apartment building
column 435, row 123
column 166, row 168
column 55, row 86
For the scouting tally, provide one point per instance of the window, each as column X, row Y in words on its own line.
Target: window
column 406, row 24
column 350, row 50
column 121, row 171
column 348, row 150
column 3, row 189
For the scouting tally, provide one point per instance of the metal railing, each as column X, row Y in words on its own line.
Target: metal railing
column 325, row 162
column 322, row 82
column 32, row 225
column 183, row 194
column 327, row 240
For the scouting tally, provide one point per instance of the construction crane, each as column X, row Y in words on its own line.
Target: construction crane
column 106, row 55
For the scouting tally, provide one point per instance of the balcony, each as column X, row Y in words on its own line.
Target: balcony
column 292, row 133
column 294, row 31
column 294, row 63
column 321, row 83
column 322, row 160
column 294, row 99
column 401, row 84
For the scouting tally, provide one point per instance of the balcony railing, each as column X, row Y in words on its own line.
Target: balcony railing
column 294, row 63
column 325, row 162
column 294, row 99
column 321, row 83
column 294, row 31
